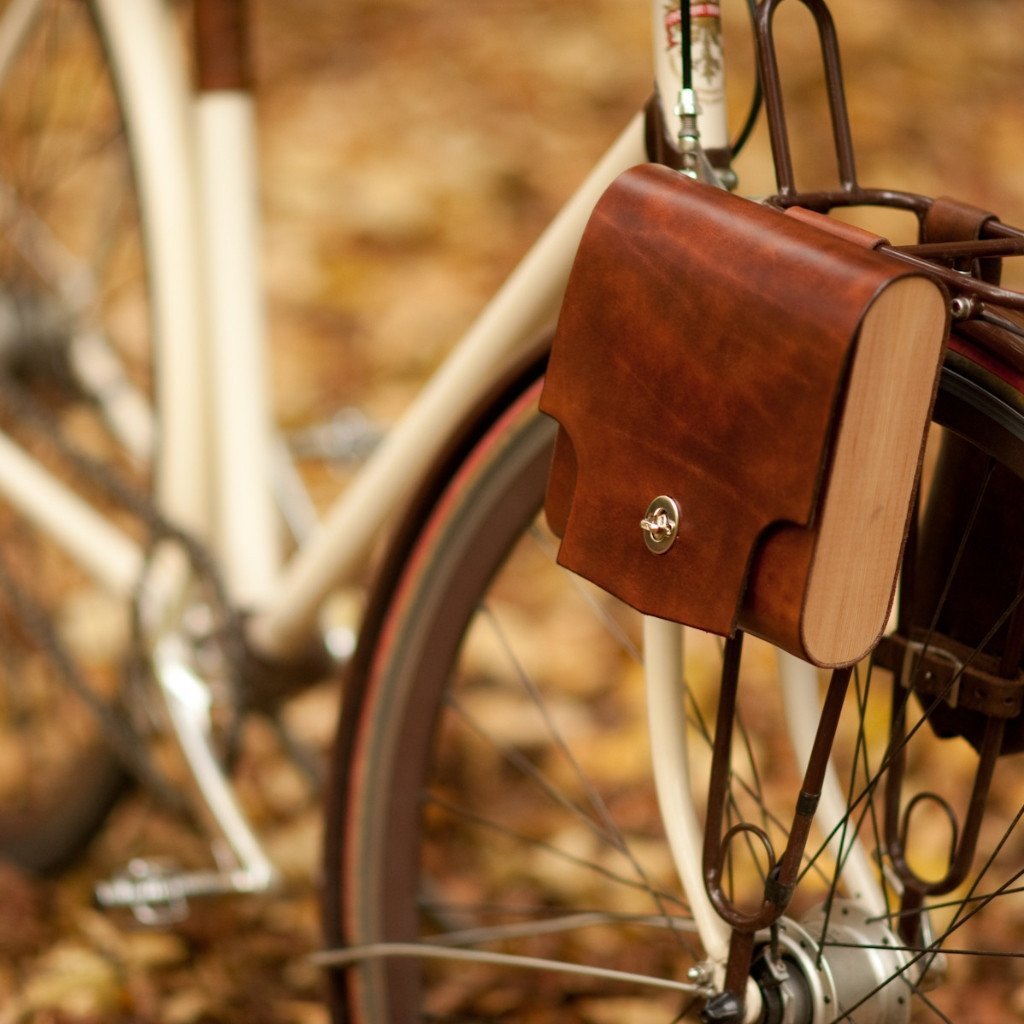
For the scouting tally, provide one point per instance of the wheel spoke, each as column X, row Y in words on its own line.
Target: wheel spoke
column 426, row 951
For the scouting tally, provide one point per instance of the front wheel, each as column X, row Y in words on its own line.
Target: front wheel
column 495, row 847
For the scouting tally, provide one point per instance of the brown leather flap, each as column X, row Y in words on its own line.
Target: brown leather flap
column 701, row 353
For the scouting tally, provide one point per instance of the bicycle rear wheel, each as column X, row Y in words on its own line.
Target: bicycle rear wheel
column 494, row 843
column 75, row 367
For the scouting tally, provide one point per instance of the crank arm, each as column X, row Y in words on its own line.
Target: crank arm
column 149, row 889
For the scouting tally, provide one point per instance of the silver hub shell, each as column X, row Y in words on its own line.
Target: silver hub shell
column 859, row 955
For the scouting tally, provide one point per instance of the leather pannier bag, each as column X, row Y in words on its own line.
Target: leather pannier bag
column 742, row 400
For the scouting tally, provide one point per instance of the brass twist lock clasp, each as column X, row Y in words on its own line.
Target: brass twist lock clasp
column 660, row 524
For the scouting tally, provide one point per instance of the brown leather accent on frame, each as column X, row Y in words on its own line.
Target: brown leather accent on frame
column 702, row 353
column 222, row 45
column 998, row 350
column 951, row 220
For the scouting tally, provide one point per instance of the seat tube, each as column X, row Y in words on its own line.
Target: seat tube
column 246, row 523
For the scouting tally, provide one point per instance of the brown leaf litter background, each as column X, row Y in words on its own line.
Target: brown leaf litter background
column 412, row 150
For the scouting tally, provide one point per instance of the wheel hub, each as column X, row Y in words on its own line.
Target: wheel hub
column 857, row 974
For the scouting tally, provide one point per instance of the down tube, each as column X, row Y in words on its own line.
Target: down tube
column 525, row 304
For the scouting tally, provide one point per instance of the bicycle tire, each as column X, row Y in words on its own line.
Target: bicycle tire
column 445, row 818
column 75, row 297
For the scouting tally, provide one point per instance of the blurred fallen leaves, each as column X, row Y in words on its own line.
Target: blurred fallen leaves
column 412, row 150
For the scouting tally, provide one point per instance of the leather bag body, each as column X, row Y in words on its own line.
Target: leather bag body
column 703, row 352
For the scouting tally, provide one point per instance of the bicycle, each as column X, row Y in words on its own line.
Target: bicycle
column 453, row 541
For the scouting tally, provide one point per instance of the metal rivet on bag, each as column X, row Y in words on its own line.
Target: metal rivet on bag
column 660, row 524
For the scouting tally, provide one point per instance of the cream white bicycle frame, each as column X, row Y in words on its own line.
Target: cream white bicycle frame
column 198, row 191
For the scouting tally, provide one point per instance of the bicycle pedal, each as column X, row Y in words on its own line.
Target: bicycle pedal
column 159, row 893
column 151, row 888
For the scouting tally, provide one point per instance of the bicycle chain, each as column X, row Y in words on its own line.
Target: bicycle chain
column 115, row 731
column 114, row 726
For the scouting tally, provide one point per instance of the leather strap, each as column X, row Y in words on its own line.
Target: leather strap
column 951, row 220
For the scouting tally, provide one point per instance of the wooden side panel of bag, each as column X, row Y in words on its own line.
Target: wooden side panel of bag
column 774, row 379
